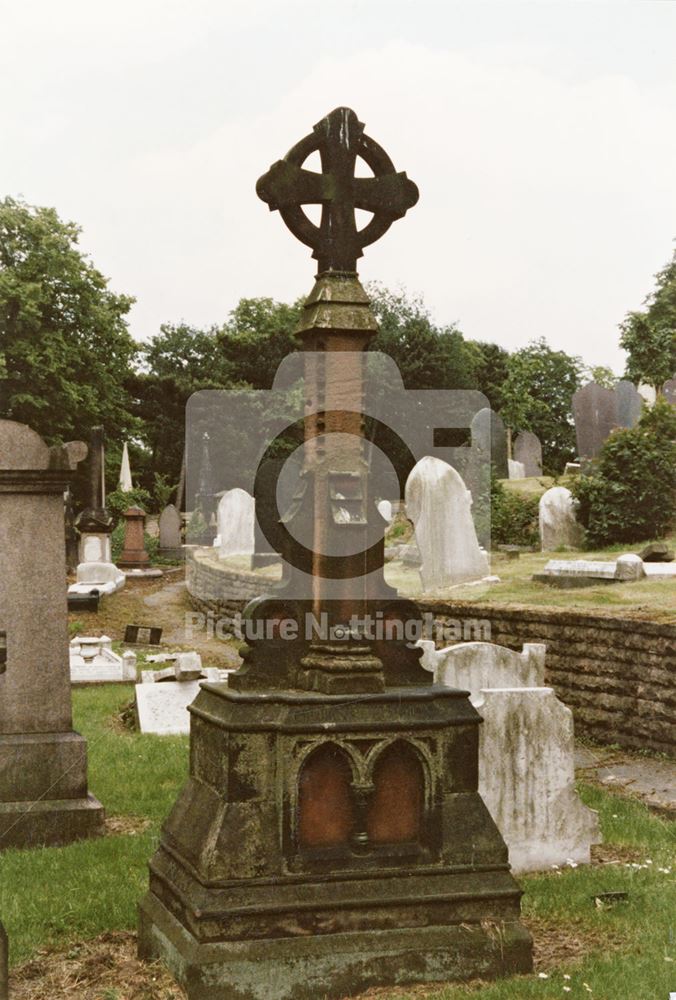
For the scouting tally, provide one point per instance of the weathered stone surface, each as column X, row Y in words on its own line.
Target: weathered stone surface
column 489, row 435
column 558, row 526
column 170, row 532
column 134, row 555
column 657, row 552
column 104, row 577
column 629, row 404
column 35, row 705
column 669, row 390
column 589, row 656
column 439, row 505
column 595, row 410
column 527, row 778
column 629, row 567
column 236, row 514
column 528, row 451
column 517, row 470
column 385, row 510
column 526, row 751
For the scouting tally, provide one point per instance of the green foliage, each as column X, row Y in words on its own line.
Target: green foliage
column 118, row 501
column 649, row 336
column 163, row 491
column 631, row 495
column 491, row 367
column 537, row 396
column 603, row 376
column 65, row 349
column 514, row 516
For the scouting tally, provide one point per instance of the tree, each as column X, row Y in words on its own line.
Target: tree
column 538, row 395
column 491, row 366
column 649, row 336
column 65, row 349
column 631, row 495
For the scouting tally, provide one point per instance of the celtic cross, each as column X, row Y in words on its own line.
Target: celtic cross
column 336, row 242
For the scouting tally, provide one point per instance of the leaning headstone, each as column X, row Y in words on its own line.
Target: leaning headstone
column 43, row 763
column 526, row 752
column 595, row 410
column 489, row 437
column 236, row 516
column 170, row 533
column 517, row 470
column 629, row 404
column 163, row 697
column 528, row 450
column 4, row 965
column 440, row 507
column 558, row 526
column 669, row 391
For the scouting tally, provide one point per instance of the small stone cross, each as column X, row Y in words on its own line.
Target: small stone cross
column 337, row 243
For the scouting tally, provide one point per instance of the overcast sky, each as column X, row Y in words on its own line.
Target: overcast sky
column 542, row 137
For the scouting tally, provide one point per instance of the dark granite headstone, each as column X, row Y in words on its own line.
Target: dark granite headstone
column 669, row 390
column 629, row 404
column 528, row 450
column 595, row 410
column 490, row 438
column 144, row 635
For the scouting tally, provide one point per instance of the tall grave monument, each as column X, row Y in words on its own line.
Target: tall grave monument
column 330, row 836
column 43, row 763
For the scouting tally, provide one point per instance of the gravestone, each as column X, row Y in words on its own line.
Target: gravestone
column 72, row 534
column 93, row 661
column 647, row 393
column 629, row 404
column 526, row 751
column 528, row 450
column 236, row 515
column 489, row 436
column 134, row 555
column 330, row 837
column 440, row 507
column 517, row 470
column 170, row 533
column 4, row 965
column 43, row 763
column 558, row 525
column 163, row 696
column 595, row 410
column 385, row 510
column 96, row 572
column 669, row 390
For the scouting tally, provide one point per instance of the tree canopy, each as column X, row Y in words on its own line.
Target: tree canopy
column 65, row 350
column 649, row 335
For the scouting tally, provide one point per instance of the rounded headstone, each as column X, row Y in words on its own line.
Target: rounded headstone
column 629, row 567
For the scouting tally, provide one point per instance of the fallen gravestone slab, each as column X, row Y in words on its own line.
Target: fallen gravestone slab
column 657, row 552
column 163, row 697
column 142, row 635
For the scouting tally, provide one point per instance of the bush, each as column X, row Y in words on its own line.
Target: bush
column 514, row 517
column 631, row 494
column 118, row 501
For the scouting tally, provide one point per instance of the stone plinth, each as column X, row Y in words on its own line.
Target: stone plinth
column 43, row 763
column 295, row 866
column 134, row 555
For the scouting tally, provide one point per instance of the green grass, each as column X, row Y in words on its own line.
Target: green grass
column 56, row 896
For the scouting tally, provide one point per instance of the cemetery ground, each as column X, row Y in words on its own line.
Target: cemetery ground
column 71, row 911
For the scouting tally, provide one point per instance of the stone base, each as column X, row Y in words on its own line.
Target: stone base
column 49, row 823
column 43, row 791
column 330, row 966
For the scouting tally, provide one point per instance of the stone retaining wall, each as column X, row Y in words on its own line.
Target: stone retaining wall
column 616, row 674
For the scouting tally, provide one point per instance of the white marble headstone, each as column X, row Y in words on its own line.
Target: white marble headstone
column 558, row 526
column 440, row 507
column 236, row 515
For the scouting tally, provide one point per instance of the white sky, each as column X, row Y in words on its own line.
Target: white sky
column 542, row 137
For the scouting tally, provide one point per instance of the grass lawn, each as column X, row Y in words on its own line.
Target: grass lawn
column 57, row 897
